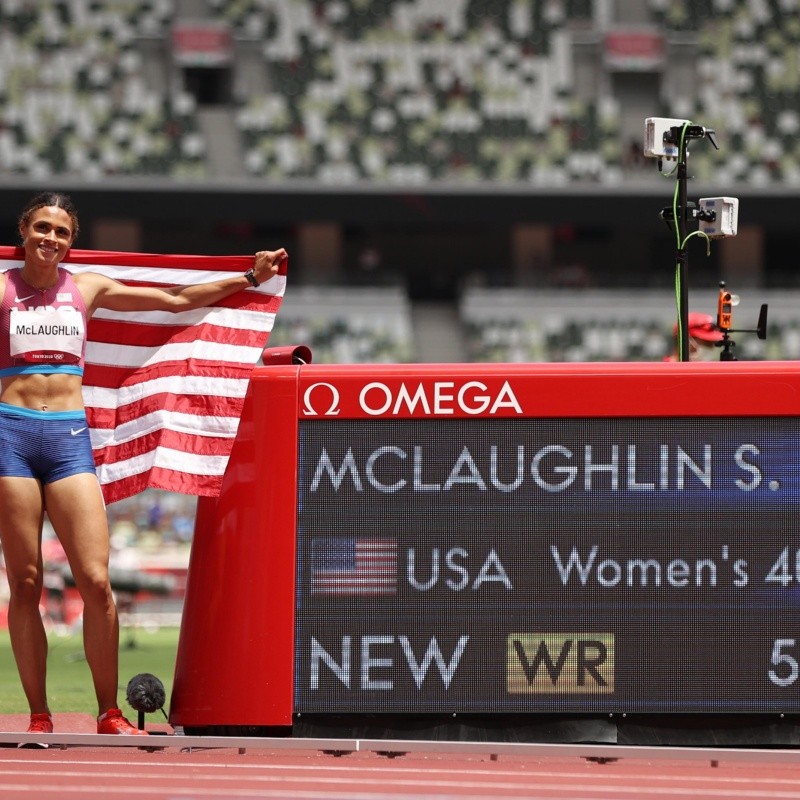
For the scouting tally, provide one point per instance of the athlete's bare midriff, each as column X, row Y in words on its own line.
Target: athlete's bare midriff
column 43, row 392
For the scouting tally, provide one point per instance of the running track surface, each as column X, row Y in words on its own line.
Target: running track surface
column 133, row 774
column 178, row 773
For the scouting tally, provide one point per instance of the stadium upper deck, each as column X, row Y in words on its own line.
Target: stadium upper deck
column 461, row 94
column 416, row 123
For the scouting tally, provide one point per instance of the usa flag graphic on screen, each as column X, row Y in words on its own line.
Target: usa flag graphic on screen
column 349, row 565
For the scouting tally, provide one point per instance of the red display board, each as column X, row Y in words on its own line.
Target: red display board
column 490, row 539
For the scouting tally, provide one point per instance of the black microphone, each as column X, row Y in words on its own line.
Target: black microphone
column 146, row 694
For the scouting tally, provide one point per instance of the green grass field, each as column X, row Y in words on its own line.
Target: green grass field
column 69, row 683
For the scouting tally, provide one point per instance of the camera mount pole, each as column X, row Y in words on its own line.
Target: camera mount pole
column 682, row 257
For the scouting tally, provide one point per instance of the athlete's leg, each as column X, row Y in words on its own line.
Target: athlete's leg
column 21, row 537
column 76, row 510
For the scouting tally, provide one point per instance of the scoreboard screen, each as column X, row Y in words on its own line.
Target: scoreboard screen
column 499, row 539
column 584, row 564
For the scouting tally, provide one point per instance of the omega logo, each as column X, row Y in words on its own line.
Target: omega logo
column 439, row 398
column 321, row 390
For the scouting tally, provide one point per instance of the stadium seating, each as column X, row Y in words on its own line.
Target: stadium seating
column 398, row 93
column 405, row 93
column 374, row 325
column 77, row 97
column 605, row 325
column 347, row 325
column 748, row 85
column 460, row 91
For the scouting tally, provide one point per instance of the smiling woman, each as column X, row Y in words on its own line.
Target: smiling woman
column 46, row 461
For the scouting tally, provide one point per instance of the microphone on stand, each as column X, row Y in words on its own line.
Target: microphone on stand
column 145, row 695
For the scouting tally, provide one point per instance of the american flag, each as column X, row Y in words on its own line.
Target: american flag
column 349, row 565
column 164, row 392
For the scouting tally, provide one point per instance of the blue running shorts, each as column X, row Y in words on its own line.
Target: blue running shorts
column 46, row 445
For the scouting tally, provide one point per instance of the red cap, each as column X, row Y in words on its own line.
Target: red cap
column 702, row 327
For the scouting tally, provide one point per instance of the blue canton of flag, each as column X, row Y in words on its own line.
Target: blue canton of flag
column 348, row 565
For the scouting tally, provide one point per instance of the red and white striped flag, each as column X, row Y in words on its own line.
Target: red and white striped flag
column 164, row 391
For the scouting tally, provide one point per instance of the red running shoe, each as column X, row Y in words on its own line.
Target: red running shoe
column 40, row 723
column 113, row 722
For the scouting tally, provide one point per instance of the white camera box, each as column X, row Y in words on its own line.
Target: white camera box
column 727, row 216
column 654, row 130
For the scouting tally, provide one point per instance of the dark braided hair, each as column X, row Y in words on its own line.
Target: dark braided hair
column 47, row 199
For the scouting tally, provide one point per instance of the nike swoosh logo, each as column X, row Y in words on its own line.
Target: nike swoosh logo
column 76, row 432
column 23, row 299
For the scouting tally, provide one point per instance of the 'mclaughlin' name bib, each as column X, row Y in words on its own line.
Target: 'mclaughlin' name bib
column 46, row 335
